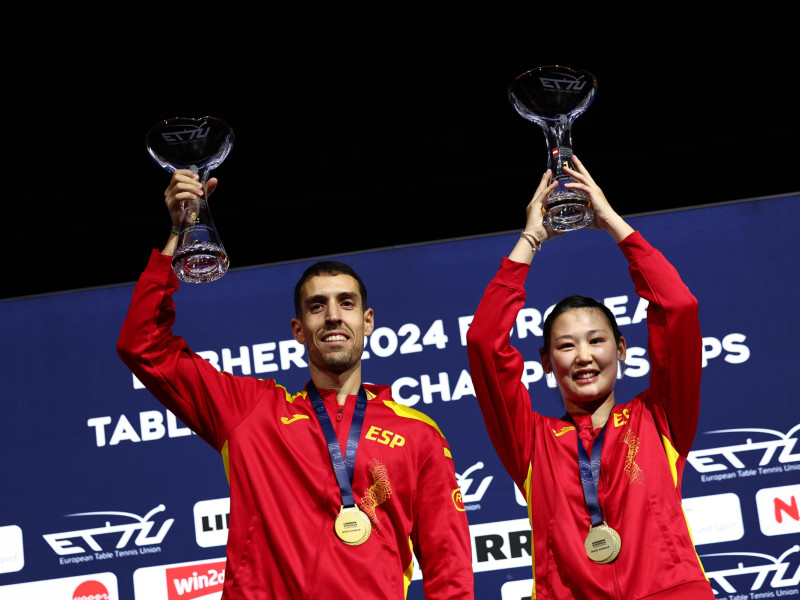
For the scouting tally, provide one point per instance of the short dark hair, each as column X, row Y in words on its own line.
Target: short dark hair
column 329, row 268
column 572, row 302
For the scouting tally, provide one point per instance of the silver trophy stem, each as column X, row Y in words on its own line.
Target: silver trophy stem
column 565, row 209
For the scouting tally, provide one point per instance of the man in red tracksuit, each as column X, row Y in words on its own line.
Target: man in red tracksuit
column 333, row 489
column 603, row 483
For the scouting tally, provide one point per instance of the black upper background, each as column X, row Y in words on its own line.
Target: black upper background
column 370, row 137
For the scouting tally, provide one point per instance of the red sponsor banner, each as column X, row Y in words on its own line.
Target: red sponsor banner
column 91, row 590
column 195, row 581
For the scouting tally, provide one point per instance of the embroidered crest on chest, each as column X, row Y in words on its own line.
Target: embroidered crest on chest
column 634, row 472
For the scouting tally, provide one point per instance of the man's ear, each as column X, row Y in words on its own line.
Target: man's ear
column 369, row 321
column 545, row 358
column 297, row 331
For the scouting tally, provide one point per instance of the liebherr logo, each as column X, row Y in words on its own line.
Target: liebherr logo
column 211, row 519
column 752, row 452
column 63, row 543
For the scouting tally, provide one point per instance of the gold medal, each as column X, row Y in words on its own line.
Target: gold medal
column 602, row 544
column 352, row 526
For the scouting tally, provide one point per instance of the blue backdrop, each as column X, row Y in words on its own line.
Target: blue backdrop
column 105, row 492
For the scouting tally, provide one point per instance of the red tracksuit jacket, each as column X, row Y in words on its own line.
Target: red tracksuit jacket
column 646, row 444
column 284, row 494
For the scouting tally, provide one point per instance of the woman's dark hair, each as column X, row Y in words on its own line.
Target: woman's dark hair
column 329, row 268
column 571, row 302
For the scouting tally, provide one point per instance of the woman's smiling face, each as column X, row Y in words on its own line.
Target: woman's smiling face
column 583, row 356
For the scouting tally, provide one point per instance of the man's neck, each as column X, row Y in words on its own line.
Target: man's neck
column 344, row 384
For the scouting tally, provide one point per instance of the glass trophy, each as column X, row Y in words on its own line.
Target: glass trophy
column 553, row 97
column 199, row 145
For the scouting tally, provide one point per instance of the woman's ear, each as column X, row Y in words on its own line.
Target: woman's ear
column 545, row 358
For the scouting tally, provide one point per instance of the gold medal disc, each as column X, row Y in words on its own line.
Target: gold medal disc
column 352, row 526
column 602, row 544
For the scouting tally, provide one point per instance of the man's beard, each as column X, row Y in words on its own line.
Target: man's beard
column 341, row 361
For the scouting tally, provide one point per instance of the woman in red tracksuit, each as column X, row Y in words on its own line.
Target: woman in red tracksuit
column 603, row 483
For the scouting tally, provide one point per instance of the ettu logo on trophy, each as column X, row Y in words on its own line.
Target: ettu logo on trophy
column 199, row 145
column 553, row 97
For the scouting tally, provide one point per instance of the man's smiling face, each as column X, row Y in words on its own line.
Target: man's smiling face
column 333, row 322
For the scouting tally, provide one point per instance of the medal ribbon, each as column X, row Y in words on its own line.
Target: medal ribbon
column 343, row 466
column 590, row 472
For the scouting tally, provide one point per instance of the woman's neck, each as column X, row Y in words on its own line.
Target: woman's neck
column 600, row 409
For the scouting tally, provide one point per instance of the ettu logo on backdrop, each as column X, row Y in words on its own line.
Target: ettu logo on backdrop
column 63, row 542
column 465, row 481
column 771, row 452
column 742, row 572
